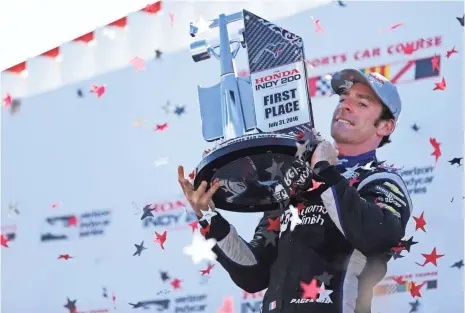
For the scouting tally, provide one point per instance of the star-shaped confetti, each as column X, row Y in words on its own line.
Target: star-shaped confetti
column 98, row 90
column 205, row 230
column 139, row 248
column 325, row 278
column 79, row 93
column 315, row 185
column 13, row 209
column 458, row 264
column 451, row 52
column 201, row 249
column 164, row 276
column 179, row 110
column 435, row 63
column 176, row 283
column 7, row 101
column 302, row 148
column 207, row 271
column 158, row 54
column 406, row 244
column 414, row 306
column 397, row 255
column 194, row 225
column 4, row 241
column 455, row 161
column 167, row 107
column 161, row 127
column 207, row 216
column 138, row 64
column 393, row 27
column 311, row 290
column 65, row 257
column 72, row 221
column 420, row 222
column 318, row 27
column 325, row 294
column 147, row 212
column 437, row 148
column 460, row 19
column 160, row 239
column 415, row 127
column 415, row 290
column 227, row 305
column 341, row 4
column 295, row 219
column 202, row 26
column 104, row 292
column 71, row 305
column 441, row 85
column 431, row 258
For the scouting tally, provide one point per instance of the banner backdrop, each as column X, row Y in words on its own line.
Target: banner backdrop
column 78, row 166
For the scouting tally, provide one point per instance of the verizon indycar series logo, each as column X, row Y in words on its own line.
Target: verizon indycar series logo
column 69, row 227
column 172, row 215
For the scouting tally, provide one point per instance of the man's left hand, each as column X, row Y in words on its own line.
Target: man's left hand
column 325, row 151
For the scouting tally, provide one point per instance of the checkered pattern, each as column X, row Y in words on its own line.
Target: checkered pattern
column 259, row 33
column 323, row 87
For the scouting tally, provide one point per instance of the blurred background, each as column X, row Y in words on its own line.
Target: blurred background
column 94, row 129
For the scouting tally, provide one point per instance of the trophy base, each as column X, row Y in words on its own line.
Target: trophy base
column 248, row 167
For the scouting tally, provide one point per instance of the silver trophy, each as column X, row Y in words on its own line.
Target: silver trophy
column 257, row 121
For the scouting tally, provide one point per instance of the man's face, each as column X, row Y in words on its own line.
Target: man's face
column 355, row 116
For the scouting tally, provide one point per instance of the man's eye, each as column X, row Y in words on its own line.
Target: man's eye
column 362, row 104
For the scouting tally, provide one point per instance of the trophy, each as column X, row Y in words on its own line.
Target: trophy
column 256, row 121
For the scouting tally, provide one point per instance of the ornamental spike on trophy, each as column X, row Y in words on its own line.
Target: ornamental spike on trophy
column 259, row 120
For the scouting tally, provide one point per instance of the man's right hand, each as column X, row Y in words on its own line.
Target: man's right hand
column 199, row 199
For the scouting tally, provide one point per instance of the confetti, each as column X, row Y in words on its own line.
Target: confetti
column 104, row 292
column 160, row 161
column 341, row 4
column 455, row 161
column 311, row 290
column 399, row 280
column 415, row 127
column 415, row 290
column 194, row 225
column 138, row 64
column 98, row 90
column 167, row 107
column 202, row 26
column 274, row 225
column 392, row 27
column 201, row 249
column 4, row 241
column 295, row 219
column 437, row 149
column 176, row 283
column 139, row 123
column 441, row 85
column 431, row 258
column 65, row 257
column 171, row 14
column 161, row 127
column 324, row 296
column 179, row 110
column 227, row 306
column 458, row 264
column 353, row 181
column 205, row 231
column 460, row 19
column 435, row 63
column 13, row 209
column 79, row 93
column 318, row 27
column 160, row 239
column 451, row 52
column 139, row 248
column 207, row 271
column 7, row 101
column 71, row 305
column 72, row 221
column 158, row 54
column 55, row 205
column 147, row 212
column 420, row 222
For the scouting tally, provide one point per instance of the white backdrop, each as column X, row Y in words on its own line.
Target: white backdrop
column 83, row 159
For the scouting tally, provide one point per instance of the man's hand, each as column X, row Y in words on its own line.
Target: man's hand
column 198, row 199
column 325, row 151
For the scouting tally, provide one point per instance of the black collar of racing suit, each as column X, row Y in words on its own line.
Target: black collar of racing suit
column 361, row 159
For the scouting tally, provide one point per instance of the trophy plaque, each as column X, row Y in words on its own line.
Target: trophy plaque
column 256, row 121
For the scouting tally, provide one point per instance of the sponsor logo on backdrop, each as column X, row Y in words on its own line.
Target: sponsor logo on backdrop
column 9, row 231
column 157, row 305
column 174, row 215
column 390, row 286
column 69, row 227
column 417, row 178
column 252, row 302
column 190, row 303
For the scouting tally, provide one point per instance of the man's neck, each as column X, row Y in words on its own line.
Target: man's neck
column 354, row 150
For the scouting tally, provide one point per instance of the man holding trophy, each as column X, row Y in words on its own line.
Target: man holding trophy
column 332, row 213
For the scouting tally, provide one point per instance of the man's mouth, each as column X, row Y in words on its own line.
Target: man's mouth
column 343, row 120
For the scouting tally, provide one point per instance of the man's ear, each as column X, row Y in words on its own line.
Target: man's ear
column 385, row 128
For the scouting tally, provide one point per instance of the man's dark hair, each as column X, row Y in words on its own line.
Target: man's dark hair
column 385, row 115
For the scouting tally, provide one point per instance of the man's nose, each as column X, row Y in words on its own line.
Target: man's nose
column 347, row 104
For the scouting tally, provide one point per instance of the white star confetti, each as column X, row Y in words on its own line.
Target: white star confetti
column 201, row 249
column 350, row 172
column 138, row 64
column 301, row 148
column 324, row 294
column 160, row 161
column 295, row 219
column 207, row 216
column 139, row 123
column 203, row 26
column 367, row 167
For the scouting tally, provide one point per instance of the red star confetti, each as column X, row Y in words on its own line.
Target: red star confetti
column 399, row 280
column 113, row 298
column 207, row 271
column 431, row 258
column 435, row 63
column 408, row 49
column 441, row 85
column 65, row 257
column 392, row 27
column 206, row 151
column 194, row 225
column 72, row 221
column 437, row 148
column 315, row 185
column 161, row 127
column 415, row 290
column 4, row 241
column 274, row 224
column 227, row 306
column 353, row 181
column 160, row 239
column 205, row 231
column 192, row 174
column 55, row 205
column 176, row 283
column 299, row 134
column 310, row 290
column 98, row 90
column 318, row 27
column 138, row 64
column 451, row 52
column 7, row 101
column 420, row 222
column 171, row 18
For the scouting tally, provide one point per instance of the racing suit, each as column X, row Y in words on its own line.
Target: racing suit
column 340, row 240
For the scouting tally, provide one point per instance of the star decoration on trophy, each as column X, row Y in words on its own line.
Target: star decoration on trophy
column 275, row 169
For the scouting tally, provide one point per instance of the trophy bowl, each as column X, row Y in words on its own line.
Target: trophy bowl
column 248, row 168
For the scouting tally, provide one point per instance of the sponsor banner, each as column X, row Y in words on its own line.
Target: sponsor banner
column 172, row 215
